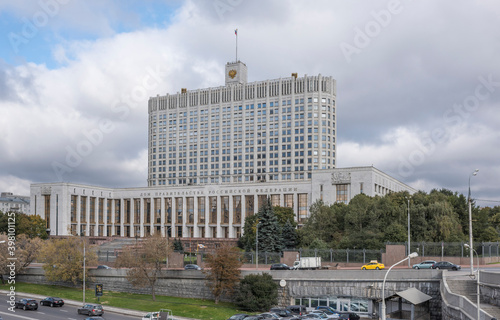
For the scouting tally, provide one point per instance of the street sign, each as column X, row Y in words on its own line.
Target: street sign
column 98, row 290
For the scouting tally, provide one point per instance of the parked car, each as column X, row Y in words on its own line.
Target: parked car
column 349, row 316
column 315, row 314
column 269, row 316
column 320, row 313
column 103, row 266
column 446, row 265
column 427, row 264
column 256, row 317
column 26, row 304
column 52, row 301
column 191, row 267
column 282, row 312
column 238, row 316
column 297, row 309
column 280, row 266
column 91, row 309
column 330, row 312
column 373, row 265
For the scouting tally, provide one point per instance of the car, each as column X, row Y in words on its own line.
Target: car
column 280, row 266
column 270, row 315
column 103, row 266
column 256, row 317
column 91, row 309
column 151, row 316
column 446, row 265
column 427, row 264
column 330, row 312
column 320, row 313
column 26, row 304
column 373, row 265
column 349, row 316
column 52, row 301
column 191, row 267
column 282, row 312
column 238, row 316
column 297, row 309
column 95, row 318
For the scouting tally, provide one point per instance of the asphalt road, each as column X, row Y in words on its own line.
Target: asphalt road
column 66, row 312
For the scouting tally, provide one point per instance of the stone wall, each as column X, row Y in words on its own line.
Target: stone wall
column 490, row 288
column 356, row 283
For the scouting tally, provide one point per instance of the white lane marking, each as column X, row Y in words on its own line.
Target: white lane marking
column 12, row 314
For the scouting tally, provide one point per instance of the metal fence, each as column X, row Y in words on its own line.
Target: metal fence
column 453, row 249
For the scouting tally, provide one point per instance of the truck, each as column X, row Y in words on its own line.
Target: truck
column 307, row 263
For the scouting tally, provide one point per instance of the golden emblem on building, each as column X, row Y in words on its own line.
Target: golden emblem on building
column 232, row 73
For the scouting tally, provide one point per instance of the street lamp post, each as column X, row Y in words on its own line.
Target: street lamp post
column 477, row 278
column 166, row 236
column 409, row 264
column 470, row 223
column 412, row 255
column 257, row 247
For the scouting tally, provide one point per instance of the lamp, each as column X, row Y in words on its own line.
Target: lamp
column 257, row 247
column 469, row 200
column 411, row 255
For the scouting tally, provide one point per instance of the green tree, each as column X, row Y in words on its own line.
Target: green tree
column 247, row 241
column 30, row 225
column 285, row 214
column 223, row 271
column 290, row 236
column 270, row 236
column 144, row 264
column 257, row 292
column 178, row 245
column 322, row 224
column 64, row 259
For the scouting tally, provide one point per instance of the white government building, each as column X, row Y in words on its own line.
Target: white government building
column 213, row 156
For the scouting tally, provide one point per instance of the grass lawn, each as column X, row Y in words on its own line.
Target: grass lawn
column 183, row 307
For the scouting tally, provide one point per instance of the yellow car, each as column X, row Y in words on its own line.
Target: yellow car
column 373, row 265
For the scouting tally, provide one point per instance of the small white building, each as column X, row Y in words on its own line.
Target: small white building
column 12, row 202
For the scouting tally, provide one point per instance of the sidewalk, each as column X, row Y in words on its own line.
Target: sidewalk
column 127, row 312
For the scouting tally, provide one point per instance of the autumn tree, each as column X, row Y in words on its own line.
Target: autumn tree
column 31, row 225
column 25, row 252
column 64, row 259
column 145, row 262
column 223, row 271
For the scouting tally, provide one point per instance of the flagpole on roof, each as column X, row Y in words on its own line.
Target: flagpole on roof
column 236, row 34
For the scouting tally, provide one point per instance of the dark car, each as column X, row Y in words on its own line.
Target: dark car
column 282, row 312
column 256, row 317
column 52, row 301
column 270, row 315
column 95, row 318
column 26, row 304
column 349, row 316
column 280, row 266
column 103, row 266
column 91, row 309
column 297, row 309
column 191, row 267
column 446, row 265
column 238, row 316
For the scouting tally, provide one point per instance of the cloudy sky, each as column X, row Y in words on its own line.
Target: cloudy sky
column 418, row 82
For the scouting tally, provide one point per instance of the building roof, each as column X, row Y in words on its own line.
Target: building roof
column 414, row 296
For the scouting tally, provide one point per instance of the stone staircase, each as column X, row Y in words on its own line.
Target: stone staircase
column 106, row 252
column 468, row 289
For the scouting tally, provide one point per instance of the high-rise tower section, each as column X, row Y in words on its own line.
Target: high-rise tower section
column 272, row 130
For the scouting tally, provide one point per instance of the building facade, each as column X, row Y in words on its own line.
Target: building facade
column 272, row 130
column 12, row 202
column 195, row 211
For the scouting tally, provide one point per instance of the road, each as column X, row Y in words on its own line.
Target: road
column 67, row 312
